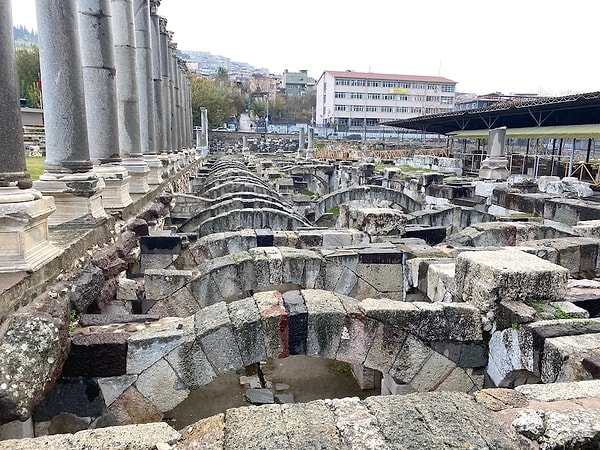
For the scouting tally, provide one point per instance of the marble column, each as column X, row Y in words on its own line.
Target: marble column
column 495, row 166
column 173, row 149
column 301, row 149
column 160, row 144
column 202, row 134
column 68, row 175
column 127, row 95
column 166, row 91
column 98, row 62
column 310, row 151
column 145, row 79
column 24, row 244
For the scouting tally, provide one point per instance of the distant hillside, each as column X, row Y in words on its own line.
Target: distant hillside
column 24, row 37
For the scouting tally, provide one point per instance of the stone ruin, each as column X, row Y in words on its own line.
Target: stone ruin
column 481, row 327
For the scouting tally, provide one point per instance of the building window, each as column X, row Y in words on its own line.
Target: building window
column 342, row 82
column 387, row 97
column 447, row 100
column 371, row 122
column 340, row 107
column 356, row 95
column 356, row 122
column 404, row 84
column 402, row 97
column 447, row 88
column 432, row 86
column 418, row 98
column 387, row 109
column 373, row 96
column 340, row 95
column 416, row 110
column 402, row 109
column 374, row 83
column 358, row 83
column 391, row 84
column 418, row 86
column 432, row 98
column 371, row 108
column 358, row 108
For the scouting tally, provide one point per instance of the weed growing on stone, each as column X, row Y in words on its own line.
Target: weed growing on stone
column 335, row 211
column 73, row 321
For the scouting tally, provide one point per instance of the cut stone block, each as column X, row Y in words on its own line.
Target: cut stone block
column 325, row 322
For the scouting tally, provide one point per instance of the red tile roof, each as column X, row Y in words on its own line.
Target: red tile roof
column 388, row 76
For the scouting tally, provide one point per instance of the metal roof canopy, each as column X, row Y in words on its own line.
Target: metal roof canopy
column 566, row 131
column 578, row 109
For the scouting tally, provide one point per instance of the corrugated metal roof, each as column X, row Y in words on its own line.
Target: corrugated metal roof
column 565, row 131
column 388, row 76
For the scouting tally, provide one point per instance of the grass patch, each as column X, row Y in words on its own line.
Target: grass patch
column 413, row 169
column 335, row 211
column 35, row 167
column 307, row 192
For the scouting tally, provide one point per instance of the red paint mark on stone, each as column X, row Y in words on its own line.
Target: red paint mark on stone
column 284, row 336
column 273, row 311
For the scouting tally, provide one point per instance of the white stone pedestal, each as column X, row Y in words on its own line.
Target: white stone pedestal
column 155, row 167
column 77, row 197
column 494, row 168
column 115, row 194
column 24, row 244
column 139, row 170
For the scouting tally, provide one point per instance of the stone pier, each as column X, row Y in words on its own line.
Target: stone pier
column 68, row 175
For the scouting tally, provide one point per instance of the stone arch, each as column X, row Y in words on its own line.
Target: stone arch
column 318, row 174
column 365, row 193
column 418, row 344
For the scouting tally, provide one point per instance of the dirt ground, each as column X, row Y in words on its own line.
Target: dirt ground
column 308, row 379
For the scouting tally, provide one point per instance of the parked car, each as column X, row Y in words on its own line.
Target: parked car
column 221, row 129
column 354, row 137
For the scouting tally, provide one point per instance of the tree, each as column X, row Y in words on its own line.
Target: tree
column 221, row 99
column 28, row 71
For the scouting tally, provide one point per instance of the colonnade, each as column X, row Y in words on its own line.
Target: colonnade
column 117, row 113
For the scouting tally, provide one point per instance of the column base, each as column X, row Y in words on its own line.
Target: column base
column 202, row 151
column 24, row 244
column 301, row 153
column 77, row 198
column 155, row 175
column 494, row 169
column 310, row 153
column 116, row 190
column 138, row 170
column 172, row 166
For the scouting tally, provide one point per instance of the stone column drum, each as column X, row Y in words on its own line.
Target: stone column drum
column 98, row 61
column 24, row 212
column 68, row 175
column 127, row 95
column 145, row 79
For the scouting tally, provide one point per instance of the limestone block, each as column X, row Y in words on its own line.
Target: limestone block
column 275, row 265
column 588, row 228
column 293, row 262
column 311, row 425
column 127, row 289
column 312, row 278
column 464, row 322
column 440, row 282
column 409, row 360
column 159, row 284
column 214, row 331
column 245, row 319
column 543, row 182
column 326, row 316
column 156, row 261
column 513, row 313
column 182, row 303
column 387, row 342
column 347, row 282
column 161, row 385
column 358, row 428
column 510, row 352
column 274, row 320
column 16, row 430
column 365, row 377
column 389, row 386
column 204, row 290
column 261, row 267
column 485, row 278
column 113, row 387
column 382, row 277
column 255, row 427
column 154, row 341
column 226, row 277
column 563, row 355
column 403, row 315
column 358, row 333
column 332, row 275
column 560, row 391
column 191, row 364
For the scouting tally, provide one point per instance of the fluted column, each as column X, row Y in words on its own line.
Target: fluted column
column 143, row 42
column 68, row 172
column 127, row 95
column 24, row 244
column 202, row 135
column 98, row 62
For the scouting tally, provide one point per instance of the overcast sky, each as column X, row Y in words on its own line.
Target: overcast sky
column 511, row 46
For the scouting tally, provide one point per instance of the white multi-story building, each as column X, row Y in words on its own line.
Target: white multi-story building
column 357, row 101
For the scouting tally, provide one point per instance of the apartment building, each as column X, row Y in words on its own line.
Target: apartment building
column 295, row 84
column 358, row 101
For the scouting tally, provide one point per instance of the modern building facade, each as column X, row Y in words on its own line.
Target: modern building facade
column 350, row 101
column 295, row 84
